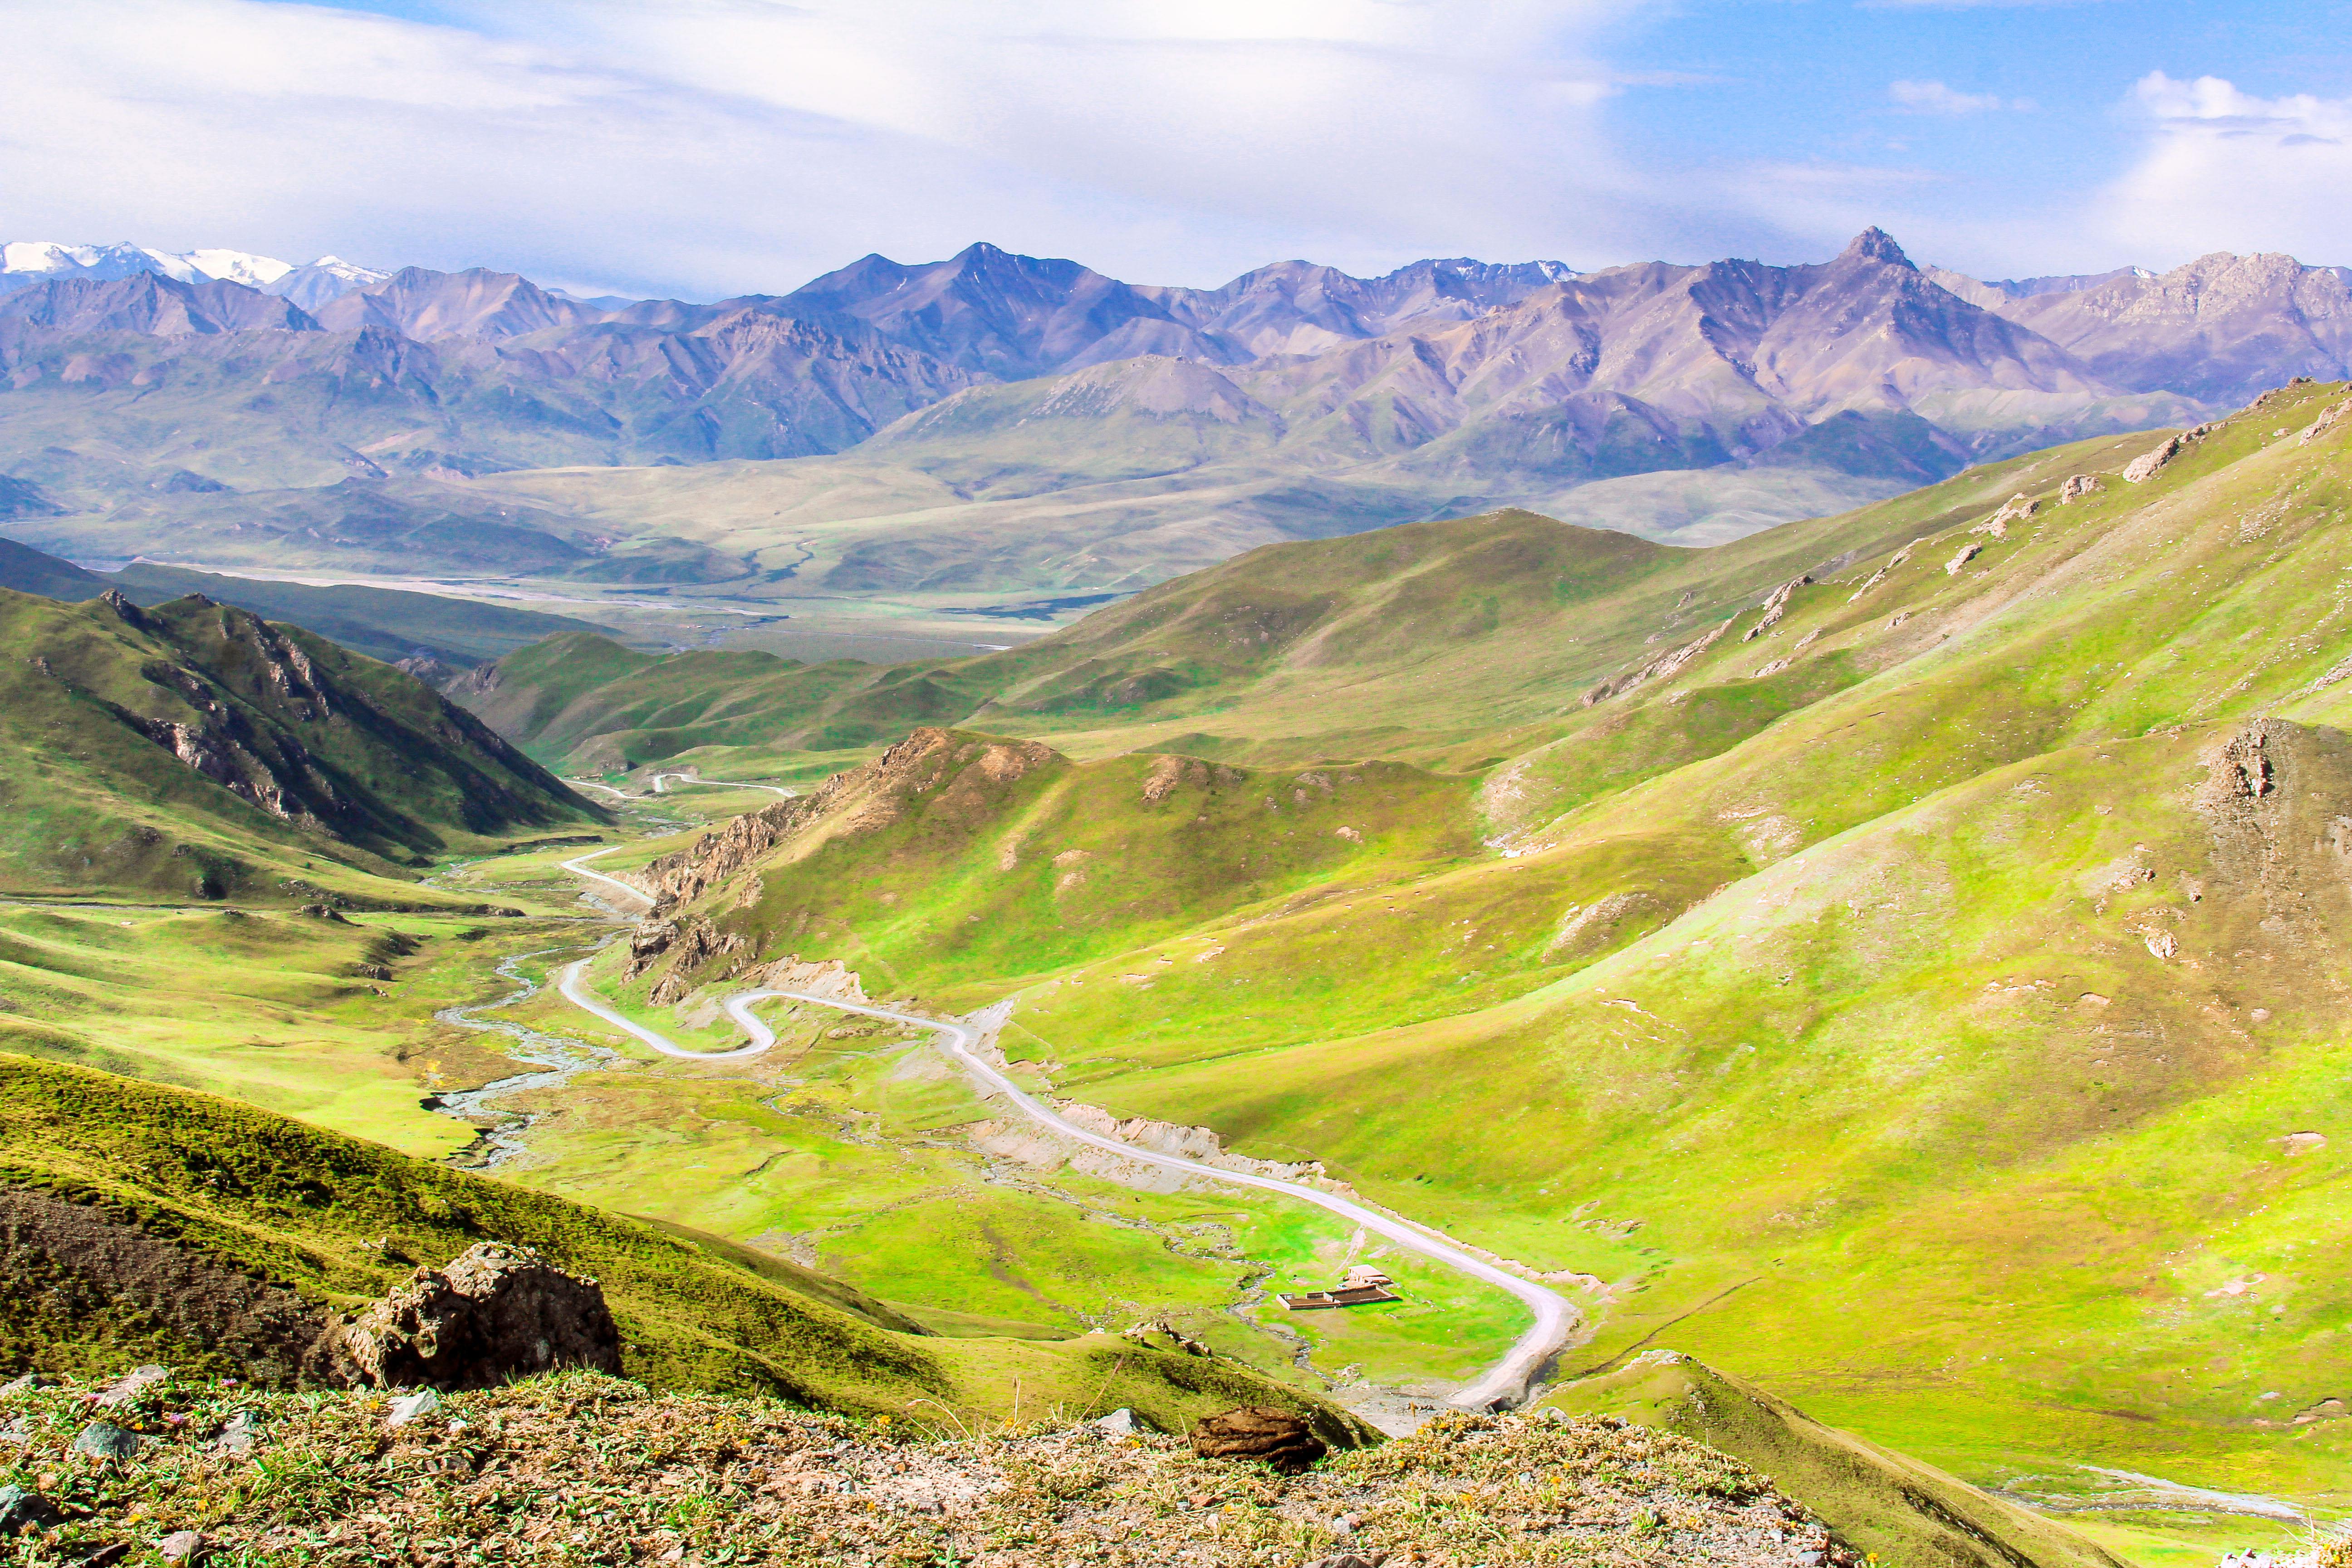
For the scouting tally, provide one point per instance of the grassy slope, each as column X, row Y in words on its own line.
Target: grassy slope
column 308, row 1209
column 1893, row 1507
column 370, row 769
column 1918, row 1050
column 583, row 701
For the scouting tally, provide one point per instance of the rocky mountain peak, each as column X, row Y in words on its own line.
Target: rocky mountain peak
column 1875, row 244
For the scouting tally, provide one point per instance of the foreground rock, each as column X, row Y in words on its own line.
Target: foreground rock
column 497, row 1314
column 1274, row 1437
column 582, row 1468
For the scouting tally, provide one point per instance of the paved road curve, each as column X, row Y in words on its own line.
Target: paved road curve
column 1505, row 1382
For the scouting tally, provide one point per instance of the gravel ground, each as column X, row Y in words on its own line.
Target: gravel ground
column 581, row 1468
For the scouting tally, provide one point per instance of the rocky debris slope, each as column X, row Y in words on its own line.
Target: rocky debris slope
column 582, row 1468
column 957, row 766
column 495, row 1313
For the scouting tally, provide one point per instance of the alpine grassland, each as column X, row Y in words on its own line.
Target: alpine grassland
column 1892, row 956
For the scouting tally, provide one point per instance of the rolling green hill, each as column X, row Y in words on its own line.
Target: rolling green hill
column 1902, row 953
column 148, row 1223
column 196, row 751
column 1455, row 643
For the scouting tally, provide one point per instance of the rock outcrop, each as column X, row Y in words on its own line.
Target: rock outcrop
column 496, row 1313
column 684, row 950
column 2144, row 468
column 1774, row 608
column 2080, row 487
column 2016, row 508
column 1665, row 667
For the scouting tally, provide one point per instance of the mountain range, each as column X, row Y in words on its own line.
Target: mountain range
column 157, row 403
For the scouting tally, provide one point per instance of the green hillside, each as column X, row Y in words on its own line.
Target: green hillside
column 196, row 751
column 1918, row 995
column 583, row 701
column 152, row 1224
column 1893, row 1507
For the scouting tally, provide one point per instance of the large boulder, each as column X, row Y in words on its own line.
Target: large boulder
column 1259, row 1432
column 496, row 1313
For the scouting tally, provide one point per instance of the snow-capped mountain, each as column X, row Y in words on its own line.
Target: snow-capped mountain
column 29, row 261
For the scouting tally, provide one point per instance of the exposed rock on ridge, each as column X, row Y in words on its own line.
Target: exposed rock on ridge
column 496, row 1313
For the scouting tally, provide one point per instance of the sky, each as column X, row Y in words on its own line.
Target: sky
column 704, row 148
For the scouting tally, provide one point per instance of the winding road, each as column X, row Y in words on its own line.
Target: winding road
column 1506, row 1383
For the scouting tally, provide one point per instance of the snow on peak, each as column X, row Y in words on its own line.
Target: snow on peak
column 30, row 260
column 236, row 266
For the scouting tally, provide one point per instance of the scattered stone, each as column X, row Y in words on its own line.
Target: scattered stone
column 409, row 1407
column 495, row 1313
column 1160, row 1334
column 1351, row 1560
column 1275, row 1437
column 181, row 1546
column 130, row 1386
column 2080, row 487
column 22, row 1509
column 105, row 1440
column 26, row 1383
column 242, row 1431
column 1123, row 1422
column 2303, row 1142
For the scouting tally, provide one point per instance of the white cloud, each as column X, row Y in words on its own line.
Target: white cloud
column 715, row 145
column 1936, row 98
column 2224, row 170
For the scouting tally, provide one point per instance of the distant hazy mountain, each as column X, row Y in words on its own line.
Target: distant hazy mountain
column 1297, row 306
column 1861, row 364
column 425, row 305
column 151, row 305
column 1015, row 317
column 2221, row 329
